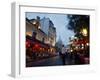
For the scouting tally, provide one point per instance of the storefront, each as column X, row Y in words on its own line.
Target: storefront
column 38, row 48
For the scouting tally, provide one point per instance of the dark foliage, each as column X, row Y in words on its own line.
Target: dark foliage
column 77, row 23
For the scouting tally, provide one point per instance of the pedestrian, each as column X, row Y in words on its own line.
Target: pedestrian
column 76, row 57
column 63, row 52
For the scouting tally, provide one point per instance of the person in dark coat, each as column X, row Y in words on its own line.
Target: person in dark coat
column 63, row 51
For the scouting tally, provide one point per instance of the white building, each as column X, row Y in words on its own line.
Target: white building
column 44, row 28
column 44, row 25
column 47, row 26
column 32, row 27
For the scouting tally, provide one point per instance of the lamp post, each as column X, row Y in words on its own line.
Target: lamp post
column 84, row 32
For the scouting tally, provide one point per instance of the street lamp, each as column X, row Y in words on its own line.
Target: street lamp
column 34, row 22
column 84, row 32
column 71, row 50
column 87, row 44
column 39, row 27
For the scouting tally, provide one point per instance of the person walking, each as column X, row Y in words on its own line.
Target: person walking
column 63, row 52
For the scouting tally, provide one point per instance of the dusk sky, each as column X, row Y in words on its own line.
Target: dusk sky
column 60, row 22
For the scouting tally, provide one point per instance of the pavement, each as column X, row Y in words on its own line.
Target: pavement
column 53, row 61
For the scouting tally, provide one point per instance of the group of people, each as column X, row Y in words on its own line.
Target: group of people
column 72, row 57
column 62, row 53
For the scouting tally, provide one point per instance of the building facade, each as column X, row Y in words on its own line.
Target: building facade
column 41, row 34
column 48, row 27
column 32, row 27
